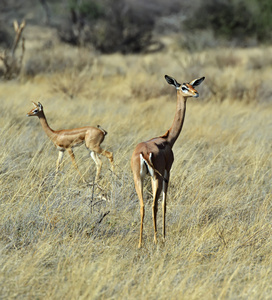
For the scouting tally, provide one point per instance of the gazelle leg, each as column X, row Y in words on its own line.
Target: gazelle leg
column 71, row 153
column 109, row 156
column 156, row 188
column 59, row 160
column 105, row 153
column 139, row 190
column 164, row 194
column 98, row 163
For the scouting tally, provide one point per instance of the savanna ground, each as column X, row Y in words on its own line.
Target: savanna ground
column 62, row 239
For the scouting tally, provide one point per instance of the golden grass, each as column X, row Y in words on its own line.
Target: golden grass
column 65, row 240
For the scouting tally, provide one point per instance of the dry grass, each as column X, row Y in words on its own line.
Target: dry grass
column 66, row 240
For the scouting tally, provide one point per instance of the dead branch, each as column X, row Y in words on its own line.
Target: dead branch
column 18, row 30
column 12, row 64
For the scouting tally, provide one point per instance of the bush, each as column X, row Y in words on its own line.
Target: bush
column 263, row 19
column 225, row 18
column 110, row 26
column 123, row 30
column 234, row 18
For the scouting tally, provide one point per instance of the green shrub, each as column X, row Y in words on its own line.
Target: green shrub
column 92, row 10
column 263, row 19
column 110, row 26
column 234, row 18
column 225, row 18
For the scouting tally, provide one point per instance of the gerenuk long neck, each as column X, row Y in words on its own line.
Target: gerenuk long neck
column 49, row 132
column 176, row 127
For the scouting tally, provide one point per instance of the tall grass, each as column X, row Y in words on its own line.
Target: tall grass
column 62, row 239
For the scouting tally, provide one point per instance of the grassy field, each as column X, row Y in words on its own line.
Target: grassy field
column 62, row 239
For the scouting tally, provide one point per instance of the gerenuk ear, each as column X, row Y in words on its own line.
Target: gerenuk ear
column 172, row 81
column 197, row 81
column 40, row 106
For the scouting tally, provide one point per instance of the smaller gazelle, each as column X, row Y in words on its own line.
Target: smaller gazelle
column 68, row 138
column 155, row 157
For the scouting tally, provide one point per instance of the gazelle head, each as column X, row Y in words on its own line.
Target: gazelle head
column 38, row 108
column 186, row 89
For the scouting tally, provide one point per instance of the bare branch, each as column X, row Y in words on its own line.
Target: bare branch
column 15, row 25
column 23, row 52
column 12, row 65
column 19, row 30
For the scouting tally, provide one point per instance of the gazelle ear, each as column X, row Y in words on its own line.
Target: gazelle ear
column 197, row 81
column 40, row 106
column 35, row 104
column 172, row 81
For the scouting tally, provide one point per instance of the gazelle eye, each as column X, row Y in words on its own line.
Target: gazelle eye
column 184, row 89
column 35, row 110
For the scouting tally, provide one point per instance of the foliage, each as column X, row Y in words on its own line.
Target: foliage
column 109, row 26
column 263, row 19
column 233, row 18
column 91, row 10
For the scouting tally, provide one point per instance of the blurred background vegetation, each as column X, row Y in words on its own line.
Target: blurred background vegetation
column 129, row 26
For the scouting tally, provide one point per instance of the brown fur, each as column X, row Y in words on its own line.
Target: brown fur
column 162, row 157
column 66, row 139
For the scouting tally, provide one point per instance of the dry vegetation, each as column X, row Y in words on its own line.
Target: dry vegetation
column 66, row 240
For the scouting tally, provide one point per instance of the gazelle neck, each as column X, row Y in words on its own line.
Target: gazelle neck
column 174, row 131
column 49, row 132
